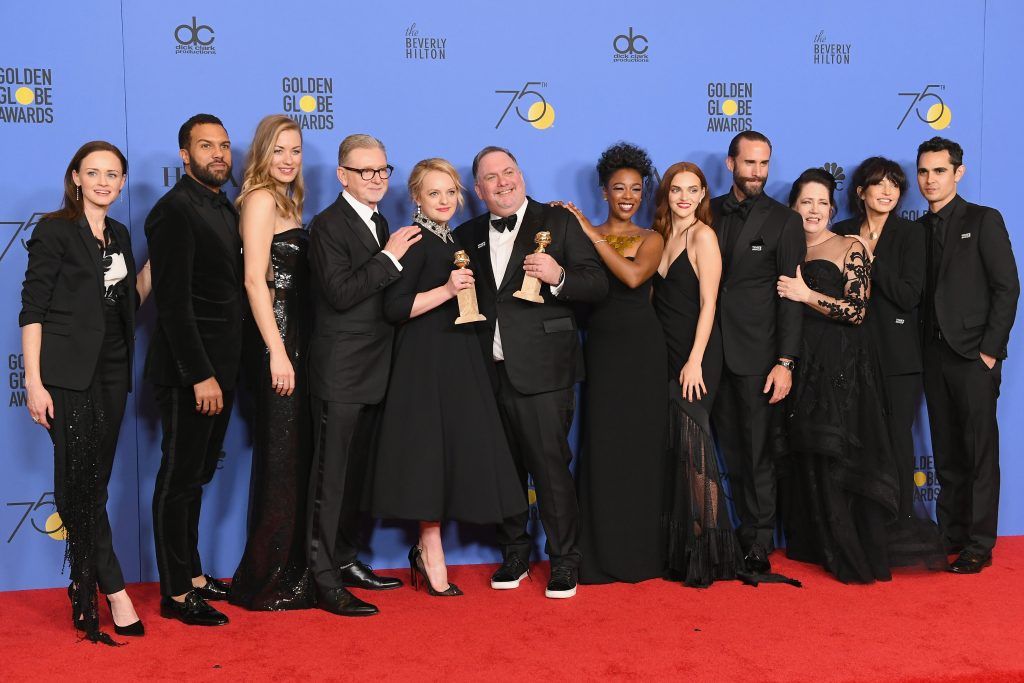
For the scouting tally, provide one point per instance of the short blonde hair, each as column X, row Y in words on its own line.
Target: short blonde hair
column 422, row 168
column 357, row 141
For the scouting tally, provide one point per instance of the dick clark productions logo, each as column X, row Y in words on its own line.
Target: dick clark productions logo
column 630, row 47
column 194, row 39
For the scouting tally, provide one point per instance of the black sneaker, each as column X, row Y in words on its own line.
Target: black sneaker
column 562, row 583
column 509, row 574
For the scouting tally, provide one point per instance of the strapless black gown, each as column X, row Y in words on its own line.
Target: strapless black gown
column 838, row 477
column 622, row 456
column 272, row 574
column 701, row 543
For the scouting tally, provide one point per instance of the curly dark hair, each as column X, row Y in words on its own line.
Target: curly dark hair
column 623, row 155
column 815, row 175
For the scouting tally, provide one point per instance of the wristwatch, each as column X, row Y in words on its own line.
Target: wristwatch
column 786, row 363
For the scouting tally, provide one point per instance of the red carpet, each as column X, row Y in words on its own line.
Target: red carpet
column 918, row 627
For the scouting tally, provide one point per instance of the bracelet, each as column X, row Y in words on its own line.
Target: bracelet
column 599, row 241
column 786, row 363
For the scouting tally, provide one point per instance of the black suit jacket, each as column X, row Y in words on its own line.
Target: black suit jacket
column 540, row 341
column 350, row 352
column 196, row 263
column 977, row 286
column 63, row 290
column 758, row 327
column 897, row 284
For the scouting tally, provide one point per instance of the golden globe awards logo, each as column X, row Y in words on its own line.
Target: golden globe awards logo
column 194, row 39
column 630, row 47
column 539, row 112
column 309, row 101
column 830, row 53
column 16, row 380
column 926, row 484
column 426, row 47
column 26, row 94
column 41, row 515
column 929, row 106
column 730, row 107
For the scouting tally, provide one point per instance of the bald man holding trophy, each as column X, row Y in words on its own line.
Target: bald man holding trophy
column 532, row 261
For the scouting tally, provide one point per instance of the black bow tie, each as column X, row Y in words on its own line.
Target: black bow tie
column 732, row 205
column 503, row 224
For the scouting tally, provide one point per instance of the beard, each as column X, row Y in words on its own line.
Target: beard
column 211, row 178
column 750, row 187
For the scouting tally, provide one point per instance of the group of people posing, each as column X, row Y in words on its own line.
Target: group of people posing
column 795, row 348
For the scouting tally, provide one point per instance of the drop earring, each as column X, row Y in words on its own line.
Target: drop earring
column 78, row 193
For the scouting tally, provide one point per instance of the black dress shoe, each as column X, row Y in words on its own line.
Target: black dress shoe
column 340, row 601
column 194, row 611
column 756, row 560
column 510, row 573
column 359, row 575
column 215, row 589
column 562, row 583
column 970, row 563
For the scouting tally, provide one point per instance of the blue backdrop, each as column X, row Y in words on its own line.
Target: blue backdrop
column 555, row 82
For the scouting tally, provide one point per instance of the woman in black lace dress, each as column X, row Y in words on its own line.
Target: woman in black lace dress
column 442, row 453
column 838, row 480
column 622, row 456
column 272, row 574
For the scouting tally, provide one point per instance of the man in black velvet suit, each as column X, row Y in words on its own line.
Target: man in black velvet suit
column 536, row 352
column 760, row 239
column 195, row 256
column 352, row 258
column 970, row 302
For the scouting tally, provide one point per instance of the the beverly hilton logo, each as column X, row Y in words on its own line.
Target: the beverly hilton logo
column 827, row 52
column 730, row 107
column 26, row 94
column 424, row 47
column 309, row 101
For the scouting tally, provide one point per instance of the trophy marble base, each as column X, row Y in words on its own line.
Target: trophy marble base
column 468, row 308
column 530, row 290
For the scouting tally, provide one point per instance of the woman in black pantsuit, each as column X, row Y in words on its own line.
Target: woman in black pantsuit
column 78, row 318
column 897, row 284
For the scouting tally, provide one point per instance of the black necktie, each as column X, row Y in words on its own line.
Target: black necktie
column 382, row 228
column 503, row 224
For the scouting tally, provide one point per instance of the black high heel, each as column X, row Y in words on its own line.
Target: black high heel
column 418, row 573
column 134, row 629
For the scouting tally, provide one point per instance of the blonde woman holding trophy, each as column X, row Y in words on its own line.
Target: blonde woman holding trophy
column 442, row 453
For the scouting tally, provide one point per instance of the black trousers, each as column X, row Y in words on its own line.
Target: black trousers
column 961, row 396
column 537, row 428
column 904, row 394
column 110, row 387
column 342, row 442
column 191, row 447
column 742, row 419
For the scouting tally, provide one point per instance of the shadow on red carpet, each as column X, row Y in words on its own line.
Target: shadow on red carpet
column 921, row 626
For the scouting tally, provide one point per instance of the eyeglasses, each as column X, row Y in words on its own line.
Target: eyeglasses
column 368, row 173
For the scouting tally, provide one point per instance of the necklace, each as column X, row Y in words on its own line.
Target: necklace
column 439, row 229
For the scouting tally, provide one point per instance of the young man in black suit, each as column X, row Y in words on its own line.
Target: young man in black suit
column 970, row 303
column 195, row 256
column 352, row 258
column 760, row 239
column 536, row 352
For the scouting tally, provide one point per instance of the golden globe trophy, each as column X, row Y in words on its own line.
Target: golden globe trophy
column 469, row 310
column 530, row 290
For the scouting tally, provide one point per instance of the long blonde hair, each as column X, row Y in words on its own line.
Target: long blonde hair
column 257, row 167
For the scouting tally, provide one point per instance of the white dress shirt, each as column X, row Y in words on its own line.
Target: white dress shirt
column 366, row 214
column 501, row 243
